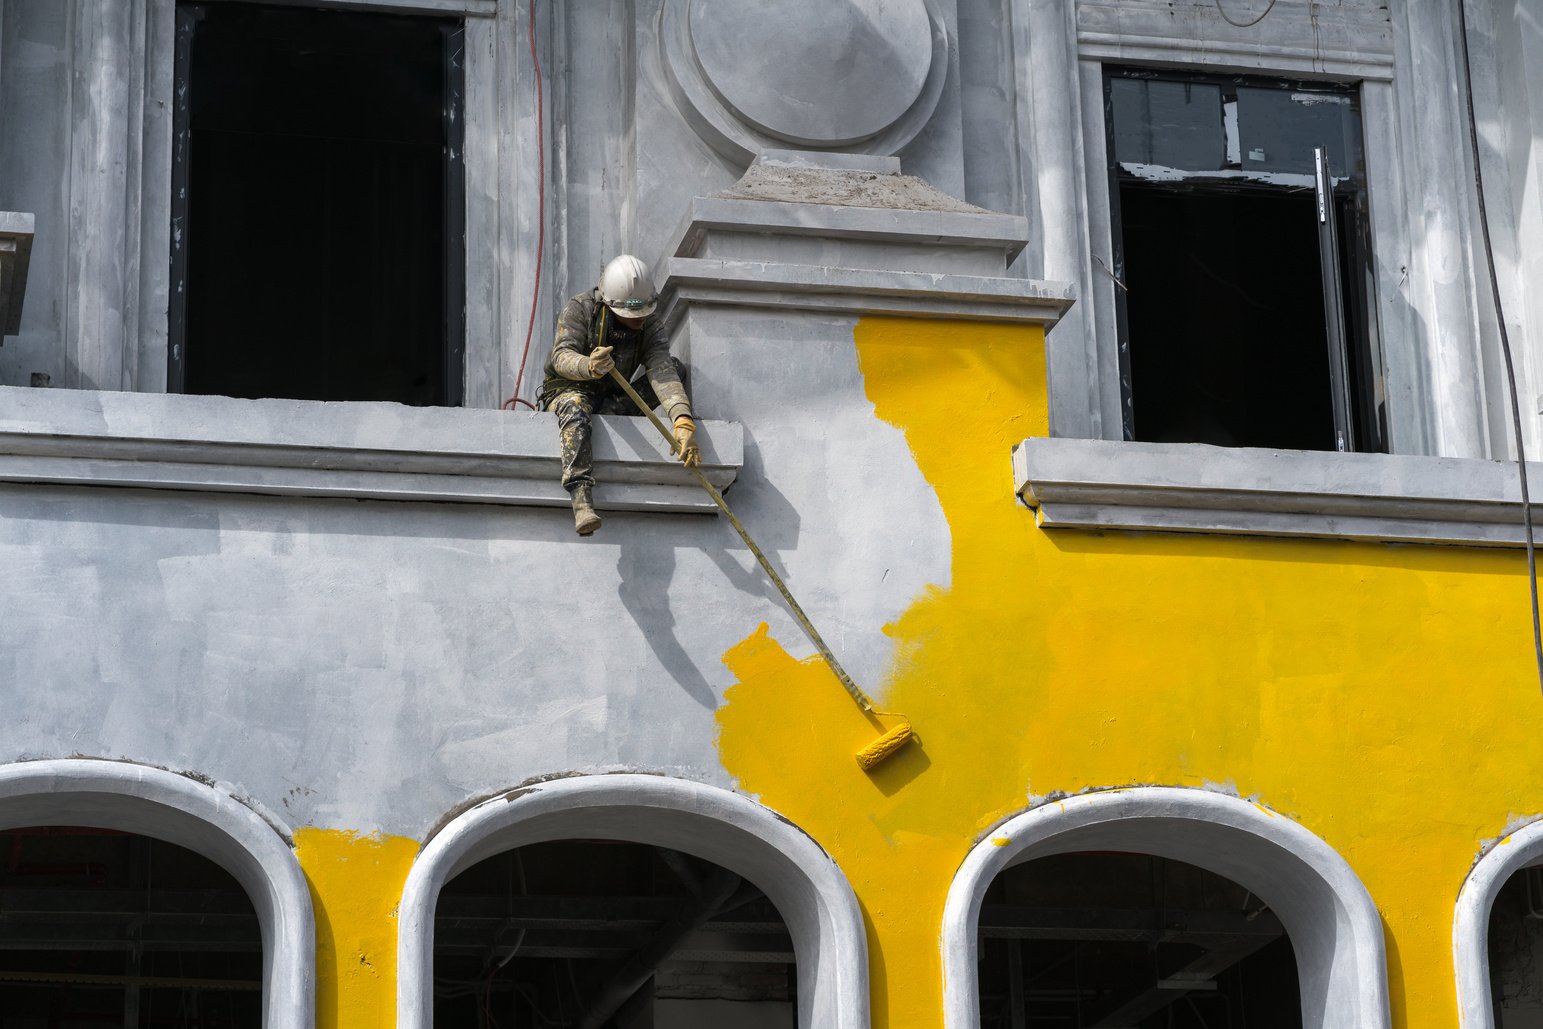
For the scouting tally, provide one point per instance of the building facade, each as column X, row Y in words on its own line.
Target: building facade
column 1118, row 385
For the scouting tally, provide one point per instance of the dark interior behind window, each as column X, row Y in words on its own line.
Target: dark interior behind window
column 317, row 216
column 1224, row 336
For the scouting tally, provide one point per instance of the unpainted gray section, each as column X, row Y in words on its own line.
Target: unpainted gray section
column 1334, row 927
column 370, row 665
column 859, row 243
column 1194, row 487
column 85, row 88
column 365, row 451
column 864, row 64
column 809, row 890
column 252, row 845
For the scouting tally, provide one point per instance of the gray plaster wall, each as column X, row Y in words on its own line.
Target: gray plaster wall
column 372, row 665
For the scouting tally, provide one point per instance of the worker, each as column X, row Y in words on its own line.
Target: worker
column 608, row 327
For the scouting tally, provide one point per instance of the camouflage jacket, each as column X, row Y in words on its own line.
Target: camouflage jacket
column 578, row 327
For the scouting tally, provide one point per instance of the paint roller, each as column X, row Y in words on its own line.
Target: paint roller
column 893, row 738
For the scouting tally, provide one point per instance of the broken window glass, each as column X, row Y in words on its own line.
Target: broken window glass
column 1221, row 258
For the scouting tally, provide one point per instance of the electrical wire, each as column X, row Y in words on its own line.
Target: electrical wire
column 535, row 294
column 1505, row 340
column 1243, row 24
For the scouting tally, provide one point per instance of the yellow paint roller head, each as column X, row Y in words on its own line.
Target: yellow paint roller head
column 881, row 748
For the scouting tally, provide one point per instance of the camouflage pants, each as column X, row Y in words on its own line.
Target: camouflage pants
column 577, row 404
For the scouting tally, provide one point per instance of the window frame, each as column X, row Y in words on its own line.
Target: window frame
column 148, row 801
column 1501, row 858
column 1435, row 350
column 1334, row 926
column 1350, row 192
column 798, row 876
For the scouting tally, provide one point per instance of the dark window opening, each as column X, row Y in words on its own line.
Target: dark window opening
column 601, row 934
column 318, row 205
column 1516, row 950
column 1223, row 265
column 1100, row 940
column 104, row 929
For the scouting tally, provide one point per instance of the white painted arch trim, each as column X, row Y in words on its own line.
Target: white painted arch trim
column 177, row 809
column 1332, row 922
column 714, row 824
column 1470, row 927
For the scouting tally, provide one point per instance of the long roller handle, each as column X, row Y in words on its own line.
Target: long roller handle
column 863, row 700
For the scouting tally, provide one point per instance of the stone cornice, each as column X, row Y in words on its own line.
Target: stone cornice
column 860, row 291
column 364, row 451
column 1105, row 484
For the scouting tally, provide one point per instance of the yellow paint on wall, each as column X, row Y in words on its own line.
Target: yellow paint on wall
column 356, row 882
column 1381, row 695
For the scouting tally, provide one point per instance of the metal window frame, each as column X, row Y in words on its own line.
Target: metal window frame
column 1356, row 397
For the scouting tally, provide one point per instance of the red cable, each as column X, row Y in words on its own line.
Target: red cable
column 535, row 295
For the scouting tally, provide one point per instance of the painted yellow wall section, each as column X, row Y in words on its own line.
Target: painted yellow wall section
column 355, row 883
column 1383, row 696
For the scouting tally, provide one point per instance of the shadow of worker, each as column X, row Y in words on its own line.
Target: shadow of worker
column 645, row 570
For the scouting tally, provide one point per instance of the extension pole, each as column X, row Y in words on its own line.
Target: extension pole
column 884, row 745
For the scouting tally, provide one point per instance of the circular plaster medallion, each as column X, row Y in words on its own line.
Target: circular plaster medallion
column 818, row 73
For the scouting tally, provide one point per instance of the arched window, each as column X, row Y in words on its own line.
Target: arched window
column 1230, row 850
column 589, row 933
column 1497, row 935
column 1112, row 939
column 148, row 858
column 681, row 855
column 106, row 928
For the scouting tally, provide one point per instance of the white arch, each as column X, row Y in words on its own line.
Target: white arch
column 716, row 825
column 1470, row 926
column 167, row 806
column 1333, row 924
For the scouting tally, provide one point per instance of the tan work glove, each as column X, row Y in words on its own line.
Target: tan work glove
column 600, row 362
column 685, row 439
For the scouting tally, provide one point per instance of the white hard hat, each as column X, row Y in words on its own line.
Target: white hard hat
column 627, row 288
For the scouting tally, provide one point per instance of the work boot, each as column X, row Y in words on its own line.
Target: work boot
column 585, row 520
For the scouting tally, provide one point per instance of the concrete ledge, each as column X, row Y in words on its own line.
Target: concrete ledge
column 375, row 451
column 983, row 230
column 861, row 291
column 1104, row 484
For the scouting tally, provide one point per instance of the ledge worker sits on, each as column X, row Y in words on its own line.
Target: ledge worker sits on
column 600, row 329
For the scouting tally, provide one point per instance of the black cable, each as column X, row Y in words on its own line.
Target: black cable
column 1505, row 339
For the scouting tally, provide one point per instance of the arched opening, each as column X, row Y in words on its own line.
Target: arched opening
column 587, row 934
column 1087, row 940
column 102, row 928
column 1333, row 927
column 1515, row 945
column 1496, row 933
column 719, row 833
column 200, row 836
